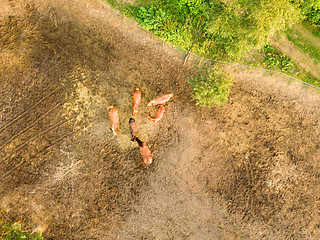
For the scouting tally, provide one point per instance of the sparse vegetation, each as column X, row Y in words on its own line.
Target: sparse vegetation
column 211, row 87
column 15, row 231
column 309, row 78
column 304, row 44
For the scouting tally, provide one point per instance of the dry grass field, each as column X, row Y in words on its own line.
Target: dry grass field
column 248, row 170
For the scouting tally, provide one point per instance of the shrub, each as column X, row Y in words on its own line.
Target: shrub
column 211, row 87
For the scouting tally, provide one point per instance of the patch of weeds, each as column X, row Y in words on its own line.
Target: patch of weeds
column 311, row 11
column 211, row 87
column 309, row 78
column 304, row 44
column 113, row 3
column 14, row 231
column 274, row 59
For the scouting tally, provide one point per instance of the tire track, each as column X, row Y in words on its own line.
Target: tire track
column 23, row 160
column 30, row 126
column 36, row 136
column 13, row 169
column 59, row 140
column 25, row 112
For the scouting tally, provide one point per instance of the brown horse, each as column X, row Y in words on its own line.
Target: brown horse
column 114, row 119
column 162, row 99
column 145, row 152
column 133, row 128
column 158, row 115
column 136, row 98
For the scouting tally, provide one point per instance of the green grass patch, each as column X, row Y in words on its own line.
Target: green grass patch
column 16, row 232
column 114, row 3
column 304, row 44
column 309, row 78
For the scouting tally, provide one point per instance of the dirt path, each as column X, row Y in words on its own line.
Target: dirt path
column 308, row 35
column 248, row 170
column 299, row 57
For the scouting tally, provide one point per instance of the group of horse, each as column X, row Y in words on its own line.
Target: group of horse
column 136, row 98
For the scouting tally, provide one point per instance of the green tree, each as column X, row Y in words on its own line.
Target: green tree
column 242, row 25
column 311, row 11
column 216, row 28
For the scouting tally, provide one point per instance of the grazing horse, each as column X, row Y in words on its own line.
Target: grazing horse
column 145, row 152
column 136, row 98
column 158, row 115
column 114, row 119
column 133, row 128
column 160, row 100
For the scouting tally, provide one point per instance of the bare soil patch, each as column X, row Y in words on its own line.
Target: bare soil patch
column 248, row 170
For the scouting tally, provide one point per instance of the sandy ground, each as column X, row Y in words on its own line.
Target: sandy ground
column 248, row 170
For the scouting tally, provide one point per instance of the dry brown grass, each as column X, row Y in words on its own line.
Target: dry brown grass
column 248, row 170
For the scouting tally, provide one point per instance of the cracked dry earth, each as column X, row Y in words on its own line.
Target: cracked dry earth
column 248, row 170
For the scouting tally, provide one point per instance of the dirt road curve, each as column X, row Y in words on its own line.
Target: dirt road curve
column 248, row 170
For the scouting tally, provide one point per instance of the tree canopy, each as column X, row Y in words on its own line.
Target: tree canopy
column 242, row 25
column 216, row 28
